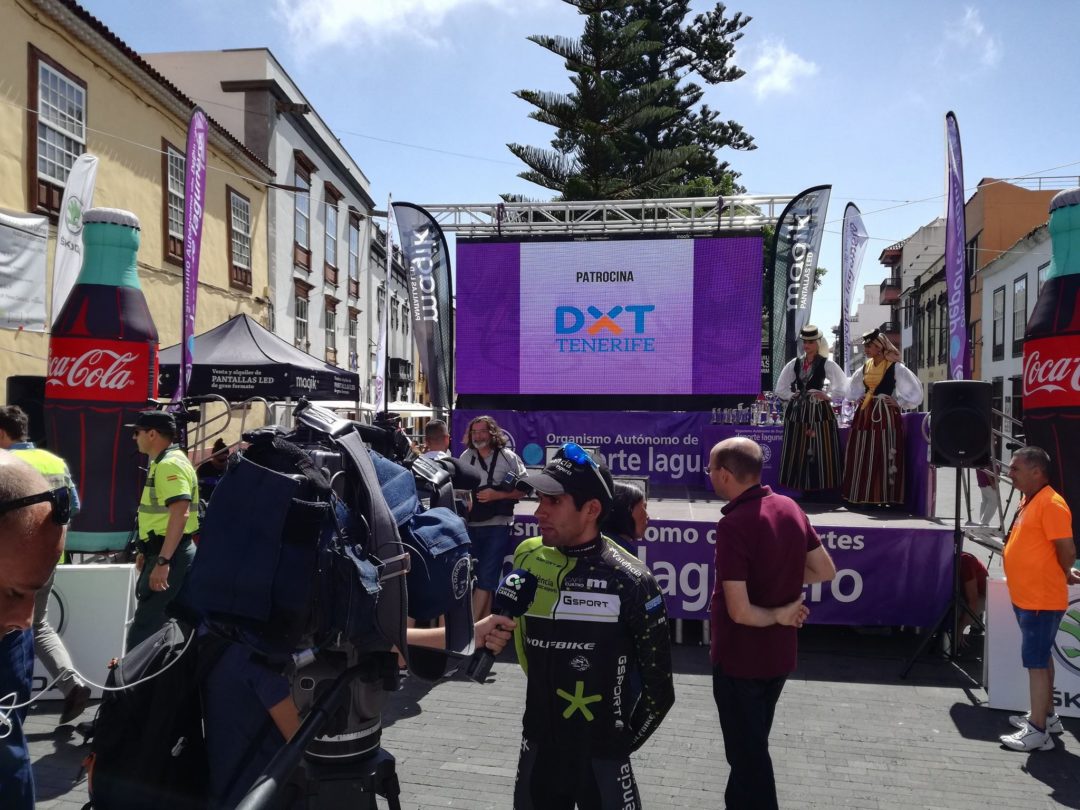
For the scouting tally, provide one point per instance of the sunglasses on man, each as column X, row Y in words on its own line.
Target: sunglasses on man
column 60, row 498
column 577, row 454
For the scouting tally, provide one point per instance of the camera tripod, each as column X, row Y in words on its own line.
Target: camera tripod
column 355, row 783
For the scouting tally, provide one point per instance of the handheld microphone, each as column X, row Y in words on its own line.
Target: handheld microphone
column 512, row 598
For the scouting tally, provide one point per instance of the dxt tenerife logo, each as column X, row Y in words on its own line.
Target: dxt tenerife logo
column 1067, row 641
column 601, row 331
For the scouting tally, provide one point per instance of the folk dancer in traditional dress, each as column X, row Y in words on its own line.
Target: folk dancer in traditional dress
column 874, row 460
column 811, row 456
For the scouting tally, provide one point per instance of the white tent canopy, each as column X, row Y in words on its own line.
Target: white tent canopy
column 411, row 409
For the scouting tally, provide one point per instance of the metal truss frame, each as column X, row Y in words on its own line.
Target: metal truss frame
column 691, row 216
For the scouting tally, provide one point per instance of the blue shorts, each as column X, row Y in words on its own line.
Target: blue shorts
column 490, row 546
column 1038, row 628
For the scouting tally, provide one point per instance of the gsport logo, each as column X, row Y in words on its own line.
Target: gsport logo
column 1067, row 641
column 614, row 321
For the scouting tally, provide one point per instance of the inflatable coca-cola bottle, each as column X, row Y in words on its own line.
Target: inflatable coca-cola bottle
column 103, row 358
column 1052, row 356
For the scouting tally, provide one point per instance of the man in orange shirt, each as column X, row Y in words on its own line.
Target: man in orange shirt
column 1039, row 555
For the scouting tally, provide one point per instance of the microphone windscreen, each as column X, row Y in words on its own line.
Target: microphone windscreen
column 514, row 594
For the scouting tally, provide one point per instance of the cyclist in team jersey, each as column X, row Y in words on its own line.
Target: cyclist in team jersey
column 594, row 644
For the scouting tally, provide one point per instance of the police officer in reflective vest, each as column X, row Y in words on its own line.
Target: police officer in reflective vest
column 48, row 646
column 168, row 516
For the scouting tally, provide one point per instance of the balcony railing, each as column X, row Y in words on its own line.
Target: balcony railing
column 890, row 291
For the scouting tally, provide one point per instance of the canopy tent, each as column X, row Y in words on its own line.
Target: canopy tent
column 241, row 359
column 410, row 409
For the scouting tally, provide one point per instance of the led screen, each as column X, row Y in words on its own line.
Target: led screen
column 642, row 316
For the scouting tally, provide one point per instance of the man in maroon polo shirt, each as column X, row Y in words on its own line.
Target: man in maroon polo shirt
column 766, row 550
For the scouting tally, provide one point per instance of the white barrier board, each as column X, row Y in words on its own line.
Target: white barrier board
column 1007, row 680
column 90, row 607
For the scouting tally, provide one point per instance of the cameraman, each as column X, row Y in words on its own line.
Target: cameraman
column 249, row 712
column 436, row 439
column 492, row 511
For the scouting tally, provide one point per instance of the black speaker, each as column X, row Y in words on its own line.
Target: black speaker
column 960, row 427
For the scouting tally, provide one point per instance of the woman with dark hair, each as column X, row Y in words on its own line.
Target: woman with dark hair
column 811, row 457
column 874, row 460
column 628, row 517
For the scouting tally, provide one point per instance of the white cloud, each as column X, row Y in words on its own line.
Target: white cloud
column 776, row 70
column 314, row 24
column 971, row 38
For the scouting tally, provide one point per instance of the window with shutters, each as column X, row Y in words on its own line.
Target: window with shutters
column 56, row 134
column 998, row 346
column 239, row 216
column 1019, row 315
column 172, row 187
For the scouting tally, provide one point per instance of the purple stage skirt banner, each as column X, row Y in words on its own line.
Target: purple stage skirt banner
column 671, row 450
column 640, row 316
column 884, row 576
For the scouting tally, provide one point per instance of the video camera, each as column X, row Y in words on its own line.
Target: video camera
column 323, row 598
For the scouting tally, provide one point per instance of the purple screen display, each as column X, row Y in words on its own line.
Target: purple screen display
column 643, row 316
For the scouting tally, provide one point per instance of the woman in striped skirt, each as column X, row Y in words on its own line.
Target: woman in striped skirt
column 811, row 455
column 874, row 459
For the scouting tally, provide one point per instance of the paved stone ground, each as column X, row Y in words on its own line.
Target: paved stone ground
column 848, row 733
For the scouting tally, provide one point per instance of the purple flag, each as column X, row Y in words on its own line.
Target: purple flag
column 194, row 195
column 955, row 244
column 854, row 246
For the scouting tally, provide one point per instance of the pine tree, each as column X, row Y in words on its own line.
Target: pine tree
column 630, row 128
column 595, row 121
column 704, row 47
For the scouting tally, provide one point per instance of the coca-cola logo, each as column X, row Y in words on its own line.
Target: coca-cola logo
column 102, row 370
column 99, row 369
column 1053, row 374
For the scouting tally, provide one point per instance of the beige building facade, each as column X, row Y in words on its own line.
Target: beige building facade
column 69, row 86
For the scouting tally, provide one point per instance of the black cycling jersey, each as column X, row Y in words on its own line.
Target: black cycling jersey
column 594, row 644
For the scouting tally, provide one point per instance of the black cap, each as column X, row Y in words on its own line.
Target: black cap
column 564, row 476
column 155, row 420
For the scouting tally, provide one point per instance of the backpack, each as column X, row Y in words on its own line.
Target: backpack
column 299, row 548
column 437, row 539
column 148, row 749
column 440, row 573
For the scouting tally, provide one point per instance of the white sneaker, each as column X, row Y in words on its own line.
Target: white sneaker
column 1028, row 739
column 1053, row 722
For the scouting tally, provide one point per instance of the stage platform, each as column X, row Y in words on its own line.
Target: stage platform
column 893, row 568
column 820, row 514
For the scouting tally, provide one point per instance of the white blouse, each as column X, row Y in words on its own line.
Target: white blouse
column 908, row 393
column 834, row 375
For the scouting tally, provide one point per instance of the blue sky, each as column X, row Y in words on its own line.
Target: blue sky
column 848, row 93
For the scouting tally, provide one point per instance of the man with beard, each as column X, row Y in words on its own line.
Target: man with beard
column 492, row 511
